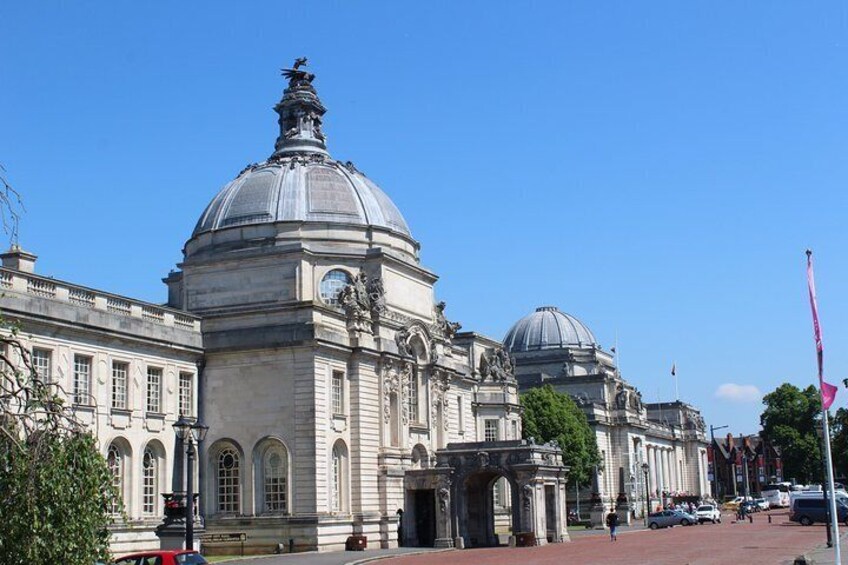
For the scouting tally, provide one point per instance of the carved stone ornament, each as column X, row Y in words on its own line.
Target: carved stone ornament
column 527, row 491
column 497, row 364
column 621, row 397
column 402, row 341
column 483, row 459
column 444, row 499
column 439, row 385
column 362, row 300
column 391, row 385
column 442, row 326
column 405, row 379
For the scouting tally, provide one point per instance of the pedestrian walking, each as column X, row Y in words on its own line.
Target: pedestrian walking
column 612, row 524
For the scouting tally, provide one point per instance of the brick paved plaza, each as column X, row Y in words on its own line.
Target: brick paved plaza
column 757, row 543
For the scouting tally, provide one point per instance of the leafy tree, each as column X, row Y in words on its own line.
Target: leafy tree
column 789, row 422
column 548, row 415
column 55, row 486
column 839, row 445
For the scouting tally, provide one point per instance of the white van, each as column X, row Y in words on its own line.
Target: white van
column 777, row 495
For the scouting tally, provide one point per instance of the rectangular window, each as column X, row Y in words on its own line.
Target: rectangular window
column 460, row 414
column 490, row 430
column 338, row 392
column 413, row 396
column 186, row 400
column 515, row 429
column 82, row 380
column 154, row 389
column 120, row 374
column 42, row 364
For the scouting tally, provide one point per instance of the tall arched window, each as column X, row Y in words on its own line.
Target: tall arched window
column 338, row 478
column 149, row 481
column 229, row 481
column 274, row 480
column 115, row 462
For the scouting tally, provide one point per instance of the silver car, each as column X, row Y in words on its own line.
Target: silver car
column 668, row 518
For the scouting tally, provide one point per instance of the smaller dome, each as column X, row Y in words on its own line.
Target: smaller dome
column 547, row 328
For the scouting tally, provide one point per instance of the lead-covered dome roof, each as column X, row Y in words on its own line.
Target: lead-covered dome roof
column 547, row 328
column 300, row 182
column 297, row 189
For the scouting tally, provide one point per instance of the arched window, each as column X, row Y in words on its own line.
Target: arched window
column 115, row 462
column 332, row 284
column 229, row 481
column 149, row 481
column 338, row 478
column 274, row 480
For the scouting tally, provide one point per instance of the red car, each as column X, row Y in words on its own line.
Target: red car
column 163, row 557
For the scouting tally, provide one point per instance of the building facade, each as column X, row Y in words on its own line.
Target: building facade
column 553, row 348
column 302, row 328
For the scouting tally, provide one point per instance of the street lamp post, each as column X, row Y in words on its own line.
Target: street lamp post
column 647, row 494
column 191, row 433
column 714, row 482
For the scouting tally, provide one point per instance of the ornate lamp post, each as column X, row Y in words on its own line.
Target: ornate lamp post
column 647, row 507
column 191, row 433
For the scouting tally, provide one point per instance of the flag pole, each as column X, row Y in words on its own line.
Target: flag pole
column 828, row 393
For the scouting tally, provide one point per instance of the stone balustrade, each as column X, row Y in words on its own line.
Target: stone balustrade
column 44, row 287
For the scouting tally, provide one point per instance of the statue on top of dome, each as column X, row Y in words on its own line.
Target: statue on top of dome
column 296, row 76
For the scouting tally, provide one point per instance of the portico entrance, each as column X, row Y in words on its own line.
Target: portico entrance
column 479, row 494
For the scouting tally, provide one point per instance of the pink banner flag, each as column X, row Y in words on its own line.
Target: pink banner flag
column 828, row 391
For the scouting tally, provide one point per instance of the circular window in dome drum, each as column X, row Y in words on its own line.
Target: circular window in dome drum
column 332, row 284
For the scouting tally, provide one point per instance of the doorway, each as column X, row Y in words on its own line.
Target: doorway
column 424, row 502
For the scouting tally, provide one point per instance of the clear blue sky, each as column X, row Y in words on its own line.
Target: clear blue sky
column 654, row 168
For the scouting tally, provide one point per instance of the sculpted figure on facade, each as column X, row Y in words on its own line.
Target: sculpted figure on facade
column 497, row 364
column 443, row 326
column 621, row 397
column 636, row 401
column 362, row 300
column 391, row 386
column 402, row 341
column 439, row 385
column 405, row 379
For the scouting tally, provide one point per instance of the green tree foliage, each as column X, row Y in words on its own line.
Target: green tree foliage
column 550, row 415
column 839, row 445
column 789, row 422
column 54, row 484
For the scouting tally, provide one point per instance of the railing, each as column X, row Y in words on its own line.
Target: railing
column 42, row 287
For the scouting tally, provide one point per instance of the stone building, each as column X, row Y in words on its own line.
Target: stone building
column 552, row 347
column 128, row 369
column 302, row 328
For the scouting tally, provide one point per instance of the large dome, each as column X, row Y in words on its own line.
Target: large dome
column 293, row 189
column 547, row 328
column 300, row 182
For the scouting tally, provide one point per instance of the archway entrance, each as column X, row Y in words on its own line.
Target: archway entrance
column 424, row 512
column 488, row 509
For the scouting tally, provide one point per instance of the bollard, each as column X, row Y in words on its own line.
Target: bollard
column 769, row 518
column 750, row 518
column 291, row 545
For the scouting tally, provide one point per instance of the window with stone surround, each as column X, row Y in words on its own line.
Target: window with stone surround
column 412, row 396
column 186, row 399
column 490, row 430
column 42, row 364
column 332, row 284
column 149, row 482
column 120, row 375
column 82, row 380
column 229, row 481
column 115, row 462
column 338, row 392
column 274, row 480
column 154, row 390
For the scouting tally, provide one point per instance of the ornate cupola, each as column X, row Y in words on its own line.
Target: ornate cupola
column 300, row 113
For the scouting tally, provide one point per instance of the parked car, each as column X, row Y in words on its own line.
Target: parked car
column 762, row 503
column 808, row 510
column 708, row 513
column 172, row 557
column 668, row 518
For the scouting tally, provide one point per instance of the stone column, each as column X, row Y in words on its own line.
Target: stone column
column 444, row 536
